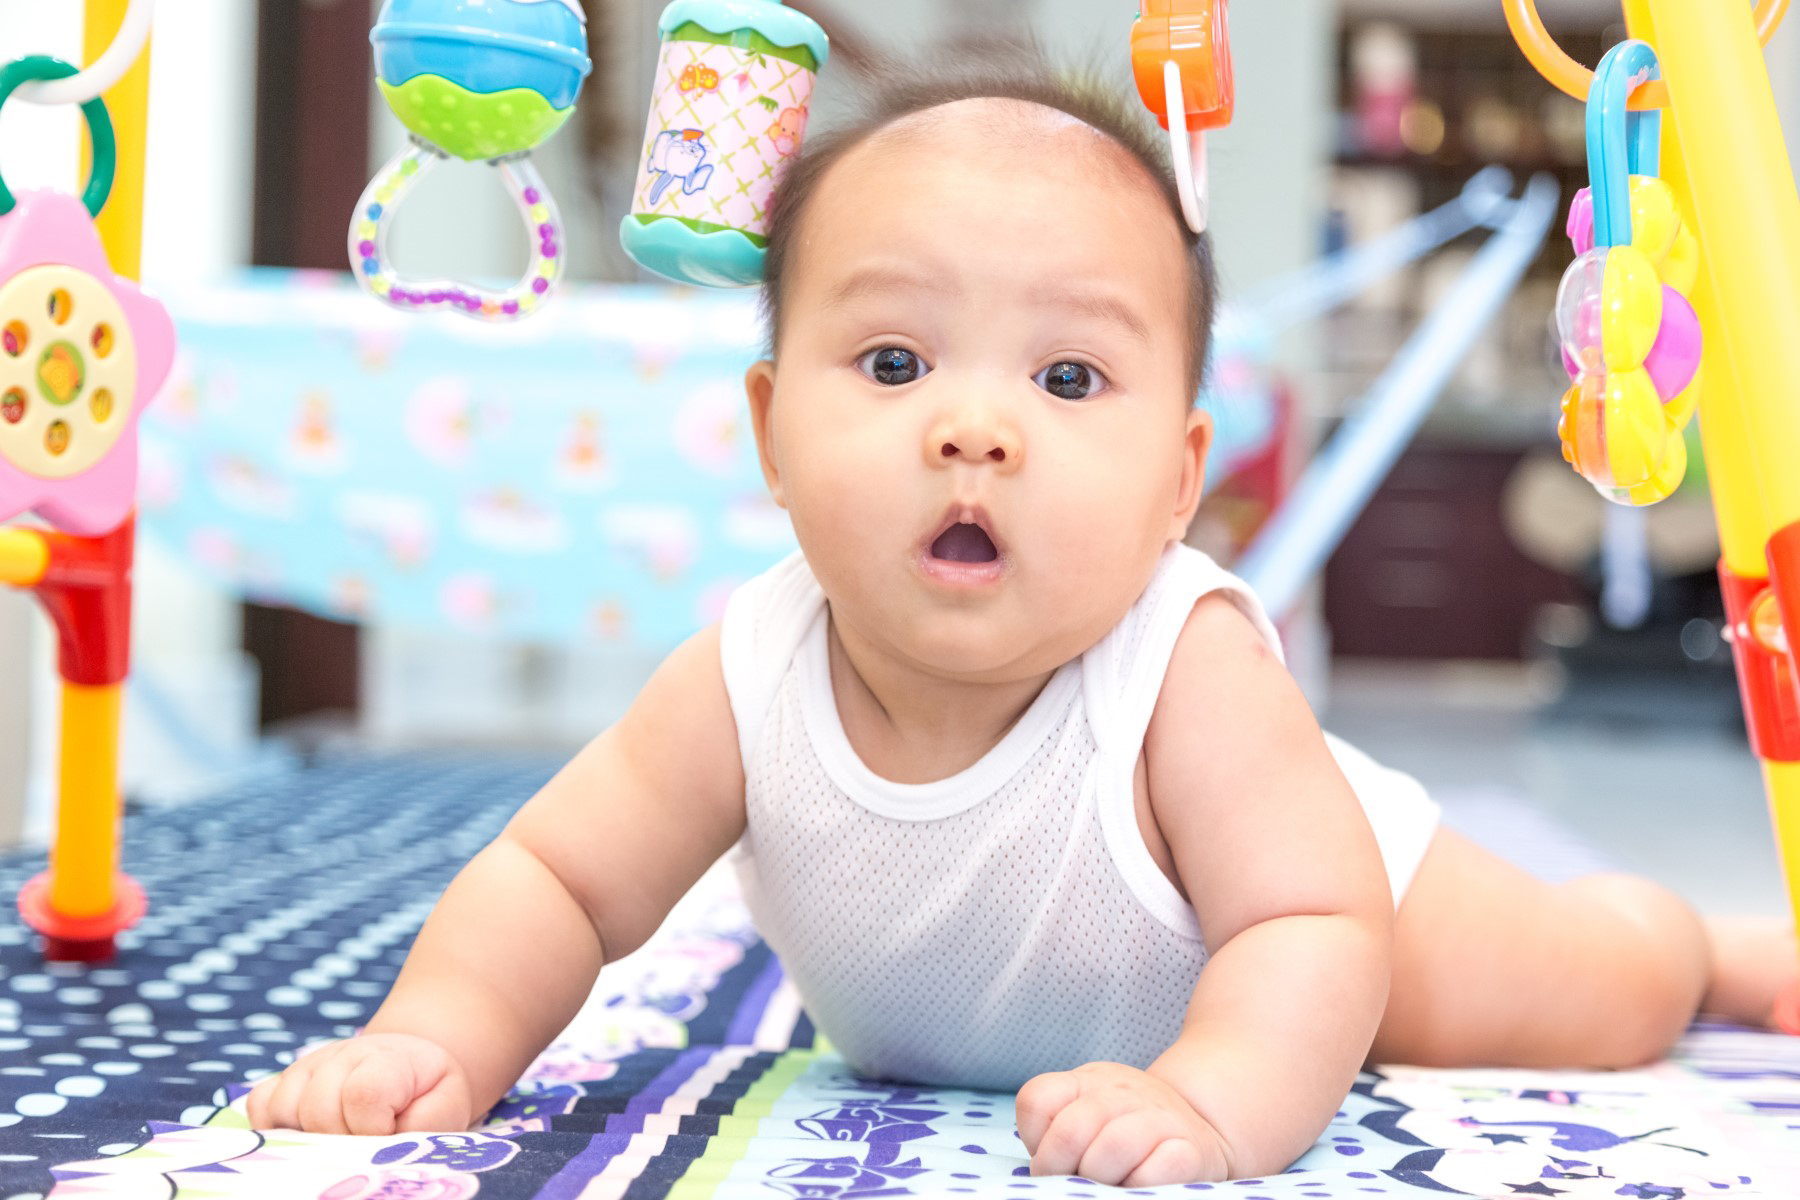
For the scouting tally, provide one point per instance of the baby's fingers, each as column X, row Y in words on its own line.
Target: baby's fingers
column 322, row 1104
column 375, row 1092
column 1175, row 1160
column 256, row 1104
column 1116, row 1150
column 1065, row 1143
column 280, row 1098
column 443, row 1108
column 1039, row 1101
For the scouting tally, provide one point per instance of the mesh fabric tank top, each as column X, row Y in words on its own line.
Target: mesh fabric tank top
column 1008, row 920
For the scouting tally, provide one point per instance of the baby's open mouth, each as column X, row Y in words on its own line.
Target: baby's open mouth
column 964, row 543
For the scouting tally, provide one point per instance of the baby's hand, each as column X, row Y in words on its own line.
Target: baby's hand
column 379, row 1083
column 1116, row 1125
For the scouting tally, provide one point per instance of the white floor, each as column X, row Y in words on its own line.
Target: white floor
column 1679, row 801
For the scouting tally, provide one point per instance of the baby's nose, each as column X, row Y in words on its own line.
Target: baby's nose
column 974, row 438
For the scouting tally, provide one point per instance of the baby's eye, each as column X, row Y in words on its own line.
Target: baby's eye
column 1070, row 380
column 892, row 366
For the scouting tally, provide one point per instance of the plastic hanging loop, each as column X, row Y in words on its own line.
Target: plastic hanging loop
column 1187, row 152
column 108, row 69
column 99, row 123
column 1563, row 72
column 375, row 212
column 1620, row 143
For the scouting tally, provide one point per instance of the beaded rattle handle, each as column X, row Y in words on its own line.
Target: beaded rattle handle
column 374, row 214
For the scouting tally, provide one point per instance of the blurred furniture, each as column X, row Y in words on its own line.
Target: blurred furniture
column 1429, row 570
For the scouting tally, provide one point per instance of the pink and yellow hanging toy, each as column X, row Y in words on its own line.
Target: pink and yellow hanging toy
column 1630, row 339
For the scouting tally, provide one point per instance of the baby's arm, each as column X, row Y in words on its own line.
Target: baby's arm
column 581, row 876
column 1279, row 863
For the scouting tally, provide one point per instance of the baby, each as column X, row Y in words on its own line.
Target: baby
column 1019, row 789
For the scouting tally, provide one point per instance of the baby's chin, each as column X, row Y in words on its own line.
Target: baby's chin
column 993, row 652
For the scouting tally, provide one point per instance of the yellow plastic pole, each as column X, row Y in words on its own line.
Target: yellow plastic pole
column 1724, row 156
column 1747, row 217
column 1744, row 525
column 121, row 222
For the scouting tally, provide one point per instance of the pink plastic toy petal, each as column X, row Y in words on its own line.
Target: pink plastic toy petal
column 1675, row 356
column 1570, row 365
column 1581, row 221
column 53, row 228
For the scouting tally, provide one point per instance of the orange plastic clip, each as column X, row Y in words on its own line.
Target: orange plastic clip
column 1193, row 35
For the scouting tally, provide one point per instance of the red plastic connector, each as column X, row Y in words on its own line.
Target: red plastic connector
column 1765, row 667
column 87, row 592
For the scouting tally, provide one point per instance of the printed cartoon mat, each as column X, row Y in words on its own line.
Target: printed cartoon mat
column 281, row 911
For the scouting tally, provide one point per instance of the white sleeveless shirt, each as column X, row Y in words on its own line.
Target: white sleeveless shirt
column 1009, row 920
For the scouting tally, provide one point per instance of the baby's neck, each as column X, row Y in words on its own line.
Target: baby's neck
column 910, row 726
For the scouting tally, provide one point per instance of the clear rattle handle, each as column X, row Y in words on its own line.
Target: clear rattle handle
column 375, row 270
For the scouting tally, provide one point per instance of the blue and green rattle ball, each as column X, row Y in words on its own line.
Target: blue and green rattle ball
column 480, row 80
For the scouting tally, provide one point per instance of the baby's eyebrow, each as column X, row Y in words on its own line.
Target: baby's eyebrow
column 1102, row 305
column 869, row 281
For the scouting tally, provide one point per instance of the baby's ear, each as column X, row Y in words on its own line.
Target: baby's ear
column 1196, row 441
column 759, row 387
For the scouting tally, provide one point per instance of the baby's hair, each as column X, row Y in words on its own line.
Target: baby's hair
column 1009, row 70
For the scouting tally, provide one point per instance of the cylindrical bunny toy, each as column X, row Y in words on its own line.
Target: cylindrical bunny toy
column 733, row 84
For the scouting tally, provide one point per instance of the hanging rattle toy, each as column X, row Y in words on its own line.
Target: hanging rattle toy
column 1630, row 339
column 82, row 351
column 478, row 80
column 1181, row 59
column 733, row 84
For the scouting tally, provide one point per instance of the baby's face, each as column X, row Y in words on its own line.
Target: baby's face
column 977, row 415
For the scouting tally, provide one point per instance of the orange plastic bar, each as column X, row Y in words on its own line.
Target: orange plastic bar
column 1554, row 64
column 85, row 855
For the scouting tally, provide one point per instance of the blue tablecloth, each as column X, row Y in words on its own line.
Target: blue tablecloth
column 585, row 474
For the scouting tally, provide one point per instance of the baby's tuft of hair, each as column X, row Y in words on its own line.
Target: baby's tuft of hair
column 1009, row 70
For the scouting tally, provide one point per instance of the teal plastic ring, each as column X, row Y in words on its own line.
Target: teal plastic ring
column 35, row 67
column 1620, row 143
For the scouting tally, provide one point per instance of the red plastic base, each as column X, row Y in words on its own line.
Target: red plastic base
column 1787, row 1009
column 81, row 939
column 63, row 950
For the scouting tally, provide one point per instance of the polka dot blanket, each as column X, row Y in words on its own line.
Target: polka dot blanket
column 280, row 912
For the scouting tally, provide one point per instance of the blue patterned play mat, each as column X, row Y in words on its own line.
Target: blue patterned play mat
column 281, row 910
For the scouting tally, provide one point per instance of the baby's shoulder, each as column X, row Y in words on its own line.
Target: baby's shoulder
column 1219, row 640
column 1222, row 672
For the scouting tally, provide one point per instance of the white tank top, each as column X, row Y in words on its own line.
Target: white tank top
column 977, row 930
